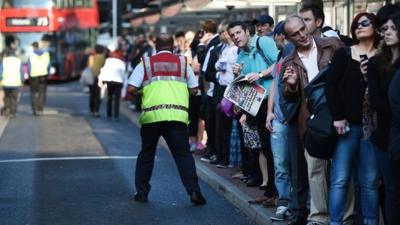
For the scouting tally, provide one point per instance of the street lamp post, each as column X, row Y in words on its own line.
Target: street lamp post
column 114, row 19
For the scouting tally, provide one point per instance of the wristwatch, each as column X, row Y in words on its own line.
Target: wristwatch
column 260, row 75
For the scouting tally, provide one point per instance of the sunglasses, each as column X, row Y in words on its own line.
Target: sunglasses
column 364, row 23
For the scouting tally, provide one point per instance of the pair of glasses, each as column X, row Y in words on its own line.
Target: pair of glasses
column 364, row 23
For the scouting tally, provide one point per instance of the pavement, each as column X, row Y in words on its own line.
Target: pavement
column 220, row 179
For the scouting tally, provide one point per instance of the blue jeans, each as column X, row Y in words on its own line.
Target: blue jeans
column 354, row 154
column 280, row 152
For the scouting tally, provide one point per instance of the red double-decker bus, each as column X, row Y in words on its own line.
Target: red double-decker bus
column 64, row 27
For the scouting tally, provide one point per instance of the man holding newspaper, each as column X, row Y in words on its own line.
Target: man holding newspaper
column 250, row 89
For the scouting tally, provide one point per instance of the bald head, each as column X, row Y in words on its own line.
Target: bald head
column 290, row 22
column 297, row 33
column 164, row 42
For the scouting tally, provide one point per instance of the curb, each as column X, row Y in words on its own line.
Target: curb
column 257, row 214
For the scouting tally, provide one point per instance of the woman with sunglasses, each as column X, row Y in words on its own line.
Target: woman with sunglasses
column 381, row 70
column 347, row 96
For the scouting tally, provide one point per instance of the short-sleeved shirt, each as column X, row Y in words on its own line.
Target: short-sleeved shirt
column 137, row 76
column 253, row 62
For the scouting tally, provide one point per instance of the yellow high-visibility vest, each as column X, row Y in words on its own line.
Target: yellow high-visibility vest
column 11, row 71
column 39, row 64
column 165, row 97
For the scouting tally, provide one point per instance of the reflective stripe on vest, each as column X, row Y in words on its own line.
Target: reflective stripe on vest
column 165, row 98
column 39, row 64
column 11, row 72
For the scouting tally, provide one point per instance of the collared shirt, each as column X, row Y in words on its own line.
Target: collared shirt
column 254, row 63
column 228, row 56
column 137, row 76
column 310, row 62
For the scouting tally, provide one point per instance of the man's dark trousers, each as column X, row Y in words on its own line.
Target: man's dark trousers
column 38, row 87
column 176, row 135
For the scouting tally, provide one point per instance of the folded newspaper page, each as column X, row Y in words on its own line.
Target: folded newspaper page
column 247, row 96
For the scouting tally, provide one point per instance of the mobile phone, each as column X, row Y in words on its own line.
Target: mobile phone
column 363, row 57
column 346, row 128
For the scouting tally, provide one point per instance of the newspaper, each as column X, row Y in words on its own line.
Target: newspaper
column 247, row 96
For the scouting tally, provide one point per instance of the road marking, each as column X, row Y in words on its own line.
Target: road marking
column 66, row 158
column 3, row 124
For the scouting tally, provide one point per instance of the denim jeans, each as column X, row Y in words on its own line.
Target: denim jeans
column 354, row 153
column 280, row 152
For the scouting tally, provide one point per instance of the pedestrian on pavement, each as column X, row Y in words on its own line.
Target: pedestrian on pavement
column 311, row 54
column 96, row 62
column 277, row 125
column 38, row 69
column 255, row 61
column 113, row 75
column 383, row 84
column 264, row 25
column 353, row 116
column 313, row 16
column 11, row 77
column 165, row 82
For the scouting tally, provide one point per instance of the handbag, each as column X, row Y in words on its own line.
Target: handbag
column 86, row 77
column 251, row 137
column 320, row 137
column 226, row 107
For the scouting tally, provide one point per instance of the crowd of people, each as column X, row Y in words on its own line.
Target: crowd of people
column 313, row 78
column 311, row 75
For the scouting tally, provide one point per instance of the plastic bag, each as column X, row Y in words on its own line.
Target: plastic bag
column 86, row 77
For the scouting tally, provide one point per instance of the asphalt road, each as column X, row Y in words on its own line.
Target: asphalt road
column 69, row 168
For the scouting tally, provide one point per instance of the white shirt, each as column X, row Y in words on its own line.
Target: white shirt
column 113, row 70
column 210, row 90
column 137, row 76
column 228, row 55
column 310, row 62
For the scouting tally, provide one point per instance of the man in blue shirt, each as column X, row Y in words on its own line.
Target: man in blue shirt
column 255, row 61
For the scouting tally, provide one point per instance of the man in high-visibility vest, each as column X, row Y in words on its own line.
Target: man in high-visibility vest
column 165, row 82
column 11, row 77
column 38, row 68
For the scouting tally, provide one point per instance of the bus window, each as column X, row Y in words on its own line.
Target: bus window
column 27, row 3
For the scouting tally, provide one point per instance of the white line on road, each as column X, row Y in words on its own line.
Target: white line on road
column 3, row 124
column 66, row 158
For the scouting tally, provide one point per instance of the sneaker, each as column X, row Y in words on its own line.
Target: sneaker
column 313, row 223
column 237, row 175
column 282, row 213
column 206, row 158
column 222, row 165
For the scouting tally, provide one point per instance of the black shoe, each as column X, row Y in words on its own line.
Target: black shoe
column 140, row 198
column 245, row 178
column 298, row 220
column 263, row 187
column 197, row 198
column 270, row 191
column 253, row 183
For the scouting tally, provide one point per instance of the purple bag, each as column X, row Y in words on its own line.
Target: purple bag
column 226, row 107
